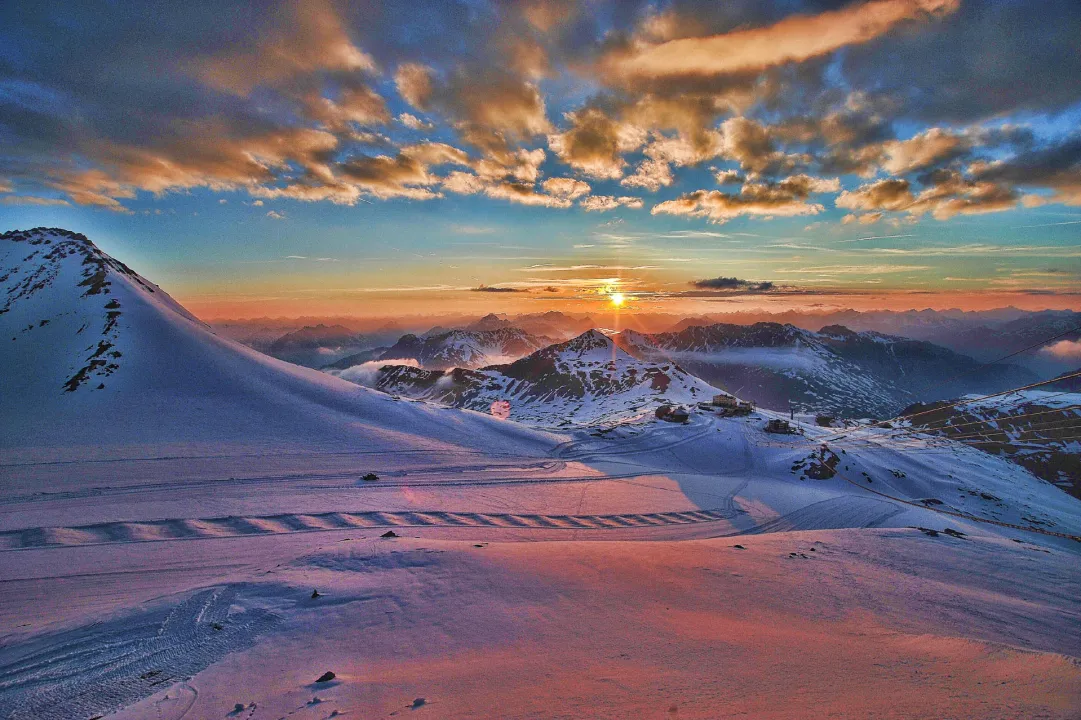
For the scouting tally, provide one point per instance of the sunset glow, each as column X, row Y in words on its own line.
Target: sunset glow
column 467, row 157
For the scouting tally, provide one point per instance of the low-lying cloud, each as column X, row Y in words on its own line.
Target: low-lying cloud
column 733, row 284
column 367, row 374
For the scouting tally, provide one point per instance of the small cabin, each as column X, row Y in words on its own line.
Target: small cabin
column 672, row 413
column 730, row 405
column 782, row 427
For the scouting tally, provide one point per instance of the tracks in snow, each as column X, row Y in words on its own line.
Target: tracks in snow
column 221, row 527
column 95, row 670
column 832, row 514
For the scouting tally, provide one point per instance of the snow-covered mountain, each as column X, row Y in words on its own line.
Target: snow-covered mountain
column 1037, row 429
column 584, row 381
column 95, row 355
column 835, row 370
column 464, row 348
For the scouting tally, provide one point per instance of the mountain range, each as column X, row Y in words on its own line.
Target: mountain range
column 833, row 371
column 584, row 381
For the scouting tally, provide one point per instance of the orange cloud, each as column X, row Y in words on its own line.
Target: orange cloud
column 566, row 187
column 407, row 175
column 310, row 37
column 920, row 151
column 947, row 194
column 787, row 198
column 793, row 39
column 414, row 83
column 603, row 203
column 595, row 143
column 891, row 194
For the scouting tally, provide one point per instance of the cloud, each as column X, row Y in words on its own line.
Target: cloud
column 566, row 187
column 892, row 194
column 515, row 182
column 749, row 143
column 792, row 39
column 862, row 219
column 920, row 151
column 413, row 122
column 1056, row 166
column 946, row 194
column 733, row 284
column 313, row 39
column 602, row 203
column 206, row 158
column 525, row 194
column 1064, row 350
column 414, row 84
column 31, row 200
column 651, row 175
column 325, row 101
column 949, row 194
column 406, row 175
column 492, row 108
column 6, row 186
column 275, row 215
column 854, row 269
column 359, row 105
column 728, row 177
column 367, row 374
column 786, row 198
column 491, row 289
column 595, row 143
column 967, row 68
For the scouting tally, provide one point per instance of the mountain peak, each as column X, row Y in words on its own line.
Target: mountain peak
column 591, row 339
column 491, row 321
column 44, row 233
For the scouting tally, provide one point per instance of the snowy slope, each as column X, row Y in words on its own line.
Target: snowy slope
column 584, row 381
column 1037, row 429
column 93, row 354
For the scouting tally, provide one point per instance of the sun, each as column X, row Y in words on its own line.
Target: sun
column 617, row 299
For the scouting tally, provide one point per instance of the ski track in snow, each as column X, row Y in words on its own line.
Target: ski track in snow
column 832, row 514
column 223, row 527
column 92, row 671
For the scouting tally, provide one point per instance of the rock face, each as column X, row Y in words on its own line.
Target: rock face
column 586, row 380
column 835, row 370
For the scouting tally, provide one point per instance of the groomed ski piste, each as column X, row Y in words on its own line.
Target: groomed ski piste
column 187, row 532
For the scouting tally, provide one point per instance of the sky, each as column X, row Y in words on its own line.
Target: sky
column 426, row 156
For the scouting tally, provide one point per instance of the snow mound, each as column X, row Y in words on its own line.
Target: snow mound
column 95, row 355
